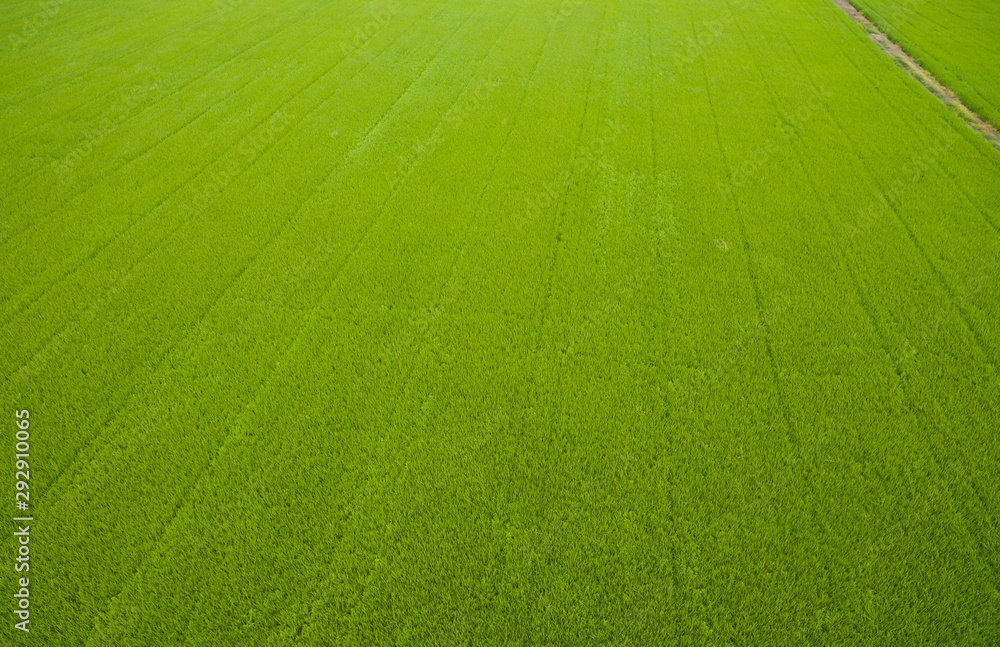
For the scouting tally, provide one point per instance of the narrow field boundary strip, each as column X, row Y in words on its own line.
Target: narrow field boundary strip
column 987, row 130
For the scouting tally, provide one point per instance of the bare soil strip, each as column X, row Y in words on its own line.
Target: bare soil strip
column 911, row 67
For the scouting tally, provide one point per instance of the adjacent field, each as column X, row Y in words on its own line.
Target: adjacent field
column 957, row 41
column 493, row 323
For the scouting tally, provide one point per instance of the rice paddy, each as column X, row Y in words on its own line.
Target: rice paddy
column 959, row 42
column 470, row 322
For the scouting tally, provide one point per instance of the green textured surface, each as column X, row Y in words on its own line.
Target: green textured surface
column 957, row 41
column 494, row 323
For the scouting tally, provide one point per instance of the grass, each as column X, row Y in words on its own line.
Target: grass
column 956, row 41
column 474, row 322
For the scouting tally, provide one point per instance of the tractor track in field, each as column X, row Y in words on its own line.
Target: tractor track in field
column 985, row 129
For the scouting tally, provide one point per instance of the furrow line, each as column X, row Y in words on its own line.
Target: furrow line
column 782, row 397
column 985, row 129
column 187, row 28
column 408, row 378
column 562, row 201
column 137, row 220
column 167, row 351
column 867, row 306
column 158, row 102
column 864, row 72
column 328, row 579
column 156, row 542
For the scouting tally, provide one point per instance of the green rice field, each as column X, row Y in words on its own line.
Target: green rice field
column 957, row 41
column 472, row 322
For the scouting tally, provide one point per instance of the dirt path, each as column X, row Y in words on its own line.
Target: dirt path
column 896, row 53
